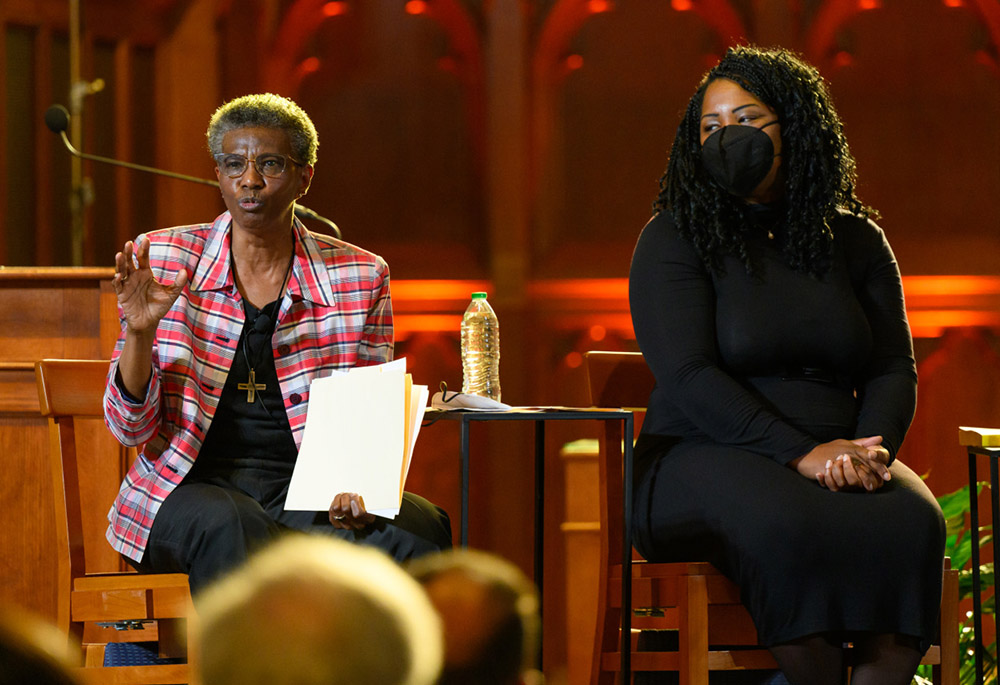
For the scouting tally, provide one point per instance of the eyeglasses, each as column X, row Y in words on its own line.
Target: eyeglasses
column 271, row 165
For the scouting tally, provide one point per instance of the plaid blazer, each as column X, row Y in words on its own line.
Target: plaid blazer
column 336, row 313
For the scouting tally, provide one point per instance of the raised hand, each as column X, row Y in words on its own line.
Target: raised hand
column 143, row 299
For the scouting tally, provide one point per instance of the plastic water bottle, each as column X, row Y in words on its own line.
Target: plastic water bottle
column 481, row 349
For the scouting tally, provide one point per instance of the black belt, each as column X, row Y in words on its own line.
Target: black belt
column 815, row 374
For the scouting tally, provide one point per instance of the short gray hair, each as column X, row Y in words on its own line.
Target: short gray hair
column 316, row 610
column 265, row 110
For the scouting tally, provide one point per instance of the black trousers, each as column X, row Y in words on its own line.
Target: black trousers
column 206, row 528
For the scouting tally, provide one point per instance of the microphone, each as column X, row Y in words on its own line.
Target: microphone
column 57, row 121
column 262, row 324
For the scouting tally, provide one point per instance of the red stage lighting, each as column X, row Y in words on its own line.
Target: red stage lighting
column 336, row 8
column 416, row 7
column 843, row 59
column 309, row 65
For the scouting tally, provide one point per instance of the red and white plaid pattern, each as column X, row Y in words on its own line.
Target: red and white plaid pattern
column 335, row 314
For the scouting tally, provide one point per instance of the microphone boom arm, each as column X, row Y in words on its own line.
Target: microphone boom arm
column 56, row 123
column 129, row 165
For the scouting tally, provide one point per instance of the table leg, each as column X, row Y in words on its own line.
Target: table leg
column 540, row 504
column 977, row 599
column 463, row 427
column 995, row 512
column 540, row 526
column 626, row 636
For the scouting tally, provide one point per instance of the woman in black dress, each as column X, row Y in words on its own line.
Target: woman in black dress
column 770, row 309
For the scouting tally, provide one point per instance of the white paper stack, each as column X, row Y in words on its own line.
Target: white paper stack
column 359, row 437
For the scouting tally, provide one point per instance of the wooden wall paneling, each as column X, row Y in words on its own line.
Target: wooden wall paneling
column 821, row 34
column 59, row 160
column 123, row 146
column 4, row 229
column 466, row 61
column 619, row 82
column 580, row 531
column 18, row 143
column 183, row 106
column 90, row 127
column 110, row 326
column 27, row 560
column 507, row 191
column 103, row 124
column 397, row 100
column 550, row 65
column 142, row 117
column 44, row 312
column 936, row 196
column 42, row 228
column 27, row 524
column 508, row 448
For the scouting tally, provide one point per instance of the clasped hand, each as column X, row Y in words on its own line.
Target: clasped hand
column 847, row 464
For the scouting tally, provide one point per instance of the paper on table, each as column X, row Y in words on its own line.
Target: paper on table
column 358, row 438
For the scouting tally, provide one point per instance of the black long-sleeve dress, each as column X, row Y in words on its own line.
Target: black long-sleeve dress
column 753, row 371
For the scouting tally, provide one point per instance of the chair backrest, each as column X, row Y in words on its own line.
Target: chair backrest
column 615, row 379
column 618, row 379
column 71, row 389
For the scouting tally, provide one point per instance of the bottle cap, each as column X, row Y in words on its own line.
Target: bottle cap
column 478, row 296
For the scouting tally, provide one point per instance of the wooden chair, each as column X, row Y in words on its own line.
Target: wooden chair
column 714, row 630
column 140, row 607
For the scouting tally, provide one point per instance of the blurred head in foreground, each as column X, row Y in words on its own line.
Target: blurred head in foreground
column 489, row 611
column 312, row 610
column 32, row 651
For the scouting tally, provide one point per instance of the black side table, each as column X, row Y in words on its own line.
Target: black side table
column 538, row 415
column 982, row 441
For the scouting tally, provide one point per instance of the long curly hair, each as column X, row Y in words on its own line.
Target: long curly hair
column 819, row 170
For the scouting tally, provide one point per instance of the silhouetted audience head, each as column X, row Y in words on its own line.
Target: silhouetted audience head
column 489, row 611
column 32, row 651
column 312, row 610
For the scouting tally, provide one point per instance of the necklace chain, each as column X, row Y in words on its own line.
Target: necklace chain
column 252, row 386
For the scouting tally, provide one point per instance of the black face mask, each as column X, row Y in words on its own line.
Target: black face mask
column 738, row 157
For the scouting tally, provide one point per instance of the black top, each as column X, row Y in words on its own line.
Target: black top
column 250, row 441
column 729, row 349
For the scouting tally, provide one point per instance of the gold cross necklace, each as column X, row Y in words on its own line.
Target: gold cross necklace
column 252, row 386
